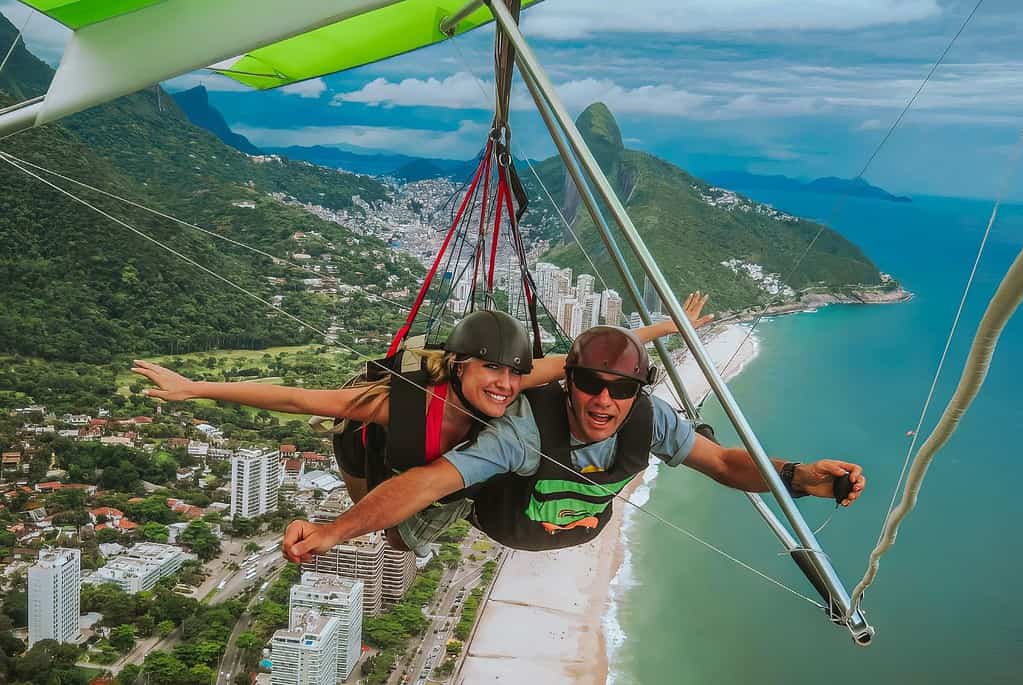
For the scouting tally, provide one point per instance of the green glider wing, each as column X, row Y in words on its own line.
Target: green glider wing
column 370, row 36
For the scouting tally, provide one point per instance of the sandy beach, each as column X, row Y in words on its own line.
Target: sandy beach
column 544, row 621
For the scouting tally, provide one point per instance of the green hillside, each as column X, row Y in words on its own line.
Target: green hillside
column 79, row 287
column 690, row 236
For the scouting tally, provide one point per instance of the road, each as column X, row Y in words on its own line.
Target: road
column 232, row 660
column 432, row 650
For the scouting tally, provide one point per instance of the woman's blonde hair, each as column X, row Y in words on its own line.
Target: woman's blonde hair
column 438, row 365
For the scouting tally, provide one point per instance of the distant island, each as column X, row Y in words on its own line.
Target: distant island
column 856, row 187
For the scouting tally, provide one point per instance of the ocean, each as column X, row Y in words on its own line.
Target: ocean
column 848, row 382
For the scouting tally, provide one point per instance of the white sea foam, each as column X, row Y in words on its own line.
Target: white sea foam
column 722, row 349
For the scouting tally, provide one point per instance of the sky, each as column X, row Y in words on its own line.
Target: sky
column 804, row 88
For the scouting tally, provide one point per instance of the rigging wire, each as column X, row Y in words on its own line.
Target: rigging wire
column 877, row 149
column 565, row 222
column 7, row 158
column 14, row 43
column 182, row 222
column 975, row 369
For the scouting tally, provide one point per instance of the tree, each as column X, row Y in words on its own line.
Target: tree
column 164, row 668
column 242, row 678
column 201, row 674
column 248, row 640
column 155, row 532
column 165, row 628
column 201, row 539
column 145, row 625
column 123, row 638
column 128, row 675
column 108, row 535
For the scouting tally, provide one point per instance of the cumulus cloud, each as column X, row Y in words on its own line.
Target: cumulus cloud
column 460, row 143
column 458, row 91
column 464, row 91
column 312, row 88
column 573, row 19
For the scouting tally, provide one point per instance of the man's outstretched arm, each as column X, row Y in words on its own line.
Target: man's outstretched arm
column 735, row 468
column 387, row 505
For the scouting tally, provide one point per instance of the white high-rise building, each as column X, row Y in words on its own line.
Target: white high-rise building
column 305, row 654
column 583, row 286
column 570, row 316
column 546, row 276
column 591, row 311
column 611, row 307
column 54, row 583
column 255, row 480
column 338, row 597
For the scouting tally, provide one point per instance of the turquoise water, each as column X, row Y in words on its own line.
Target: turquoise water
column 848, row 382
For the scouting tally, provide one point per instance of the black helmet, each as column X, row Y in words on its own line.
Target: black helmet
column 611, row 349
column 494, row 337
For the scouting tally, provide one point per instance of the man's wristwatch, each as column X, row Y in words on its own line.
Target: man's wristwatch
column 788, row 471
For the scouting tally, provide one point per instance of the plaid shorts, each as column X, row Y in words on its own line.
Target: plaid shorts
column 427, row 525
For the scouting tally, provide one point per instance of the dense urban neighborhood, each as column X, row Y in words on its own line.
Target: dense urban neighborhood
column 150, row 545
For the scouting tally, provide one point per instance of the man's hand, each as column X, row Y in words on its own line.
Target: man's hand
column 818, row 479
column 693, row 307
column 303, row 539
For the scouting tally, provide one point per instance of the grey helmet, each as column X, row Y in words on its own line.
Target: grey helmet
column 494, row 337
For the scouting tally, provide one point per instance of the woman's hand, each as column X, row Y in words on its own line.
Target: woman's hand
column 173, row 386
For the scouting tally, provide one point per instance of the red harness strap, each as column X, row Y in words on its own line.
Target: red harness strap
column 434, row 421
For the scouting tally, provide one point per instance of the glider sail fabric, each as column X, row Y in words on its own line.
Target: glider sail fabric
column 121, row 46
column 355, row 42
column 78, row 13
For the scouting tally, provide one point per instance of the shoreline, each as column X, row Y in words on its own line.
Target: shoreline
column 563, row 602
column 811, row 302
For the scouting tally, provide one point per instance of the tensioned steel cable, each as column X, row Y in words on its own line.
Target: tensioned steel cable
column 1000, row 308
column 5, row 157
column 206, row 231
column 14, row 43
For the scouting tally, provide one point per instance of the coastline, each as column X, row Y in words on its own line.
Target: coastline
column 811, row 301
column 563, row 602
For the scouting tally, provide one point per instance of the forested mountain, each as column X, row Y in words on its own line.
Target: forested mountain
column 195, row 104
column 691, row 227
column 77, row 286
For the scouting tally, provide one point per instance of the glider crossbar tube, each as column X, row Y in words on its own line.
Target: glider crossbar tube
column 19, row 117
column 836, row 595
column 449, row 24
column 630, row 283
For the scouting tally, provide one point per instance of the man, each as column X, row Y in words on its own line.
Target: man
column 595, row 436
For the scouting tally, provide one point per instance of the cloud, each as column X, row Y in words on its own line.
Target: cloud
column 460, row 143
column 458, row 91
column 464, row 91
column 44, row 37
column 312, row 88
column 574, row 19
column 211, row 81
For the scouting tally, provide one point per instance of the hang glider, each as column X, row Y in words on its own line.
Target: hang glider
column 122, row 46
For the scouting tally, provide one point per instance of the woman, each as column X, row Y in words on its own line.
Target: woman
column 485, row 363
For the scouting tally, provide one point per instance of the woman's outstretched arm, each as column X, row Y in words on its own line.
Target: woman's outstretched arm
column 344, row 403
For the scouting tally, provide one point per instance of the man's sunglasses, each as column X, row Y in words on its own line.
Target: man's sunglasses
column 592, row 384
